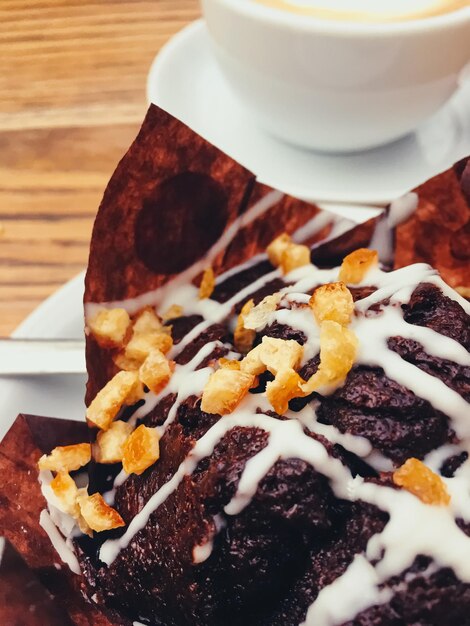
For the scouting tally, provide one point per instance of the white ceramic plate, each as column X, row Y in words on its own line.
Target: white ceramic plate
column 60, row 316
column 186, row 81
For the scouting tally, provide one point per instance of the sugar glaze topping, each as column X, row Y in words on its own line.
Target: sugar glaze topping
column 59, row 526
column 396, row 547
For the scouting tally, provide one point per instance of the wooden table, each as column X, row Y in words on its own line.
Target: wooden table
column 72, row 96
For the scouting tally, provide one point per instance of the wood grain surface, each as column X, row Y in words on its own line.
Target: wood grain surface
column 72, row 96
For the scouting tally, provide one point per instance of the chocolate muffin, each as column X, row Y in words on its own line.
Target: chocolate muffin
column 312, row 450
column 279, row 426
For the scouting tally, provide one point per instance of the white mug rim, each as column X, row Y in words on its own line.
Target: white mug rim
column 310, row 23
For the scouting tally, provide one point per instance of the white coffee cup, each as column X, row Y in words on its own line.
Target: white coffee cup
column 333, row 85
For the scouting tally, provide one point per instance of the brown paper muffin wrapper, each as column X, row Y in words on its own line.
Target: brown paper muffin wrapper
column 438, row 232
column 171, row 198
column 36, row 588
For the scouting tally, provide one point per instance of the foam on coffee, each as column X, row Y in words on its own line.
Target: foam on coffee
column 368, row 10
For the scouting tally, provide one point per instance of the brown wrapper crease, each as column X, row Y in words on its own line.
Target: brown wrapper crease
column 23, row 599
column 438, row 232
column 22, row 502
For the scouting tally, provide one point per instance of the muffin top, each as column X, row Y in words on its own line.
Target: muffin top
column 283, row 444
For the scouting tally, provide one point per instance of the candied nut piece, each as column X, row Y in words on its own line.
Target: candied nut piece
column 244, row 337
column 156, row 371
column 141, row 345
column 66, row 491
column 110, row 326
column 279, row 354
column 97, row 514
column 110, row 443
column 147, row 321
column 225, row 389
column 135, row 394
column 123, row 388
column 66, row 458
column 280, row 357
column 207, row 284
column 141, row 450
column 294, row 256
column 418, row 479
column 173, row 312
column 272, row 354
column 284, row 253
column 284, row 387
column 258, row 316
column 252, row 363
column 356, row 265
column 148, row 334
column 229, row 364
column 277, row 247
column 332, row 302
column 338, row 349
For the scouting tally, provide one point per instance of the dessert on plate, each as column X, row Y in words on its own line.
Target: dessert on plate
column 278, row 406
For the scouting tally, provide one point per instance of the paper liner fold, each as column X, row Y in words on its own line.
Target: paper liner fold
column 438, row 232
column 23, row 599
column 21, row 504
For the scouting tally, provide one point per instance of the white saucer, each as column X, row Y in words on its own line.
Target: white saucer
column 60, row 316
column 185, row 80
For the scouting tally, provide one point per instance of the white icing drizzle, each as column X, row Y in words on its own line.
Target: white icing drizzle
column 398, row 212
column 60, row 527
column 244, row 416
column 394, row 283
column 202, row 551
column 258, row 258
column 360, row 446
column 110, row 495
column 401, row 209
column 286, row 441
column 63, row 549
column 433, row 342
column 186, row 381
column 327, row 611
column 382, row 240
column 160, row 295
column 373, row 333
column 355, row 444
column 413, row 528
column 213, row 311
column 379, row 462
column 425, row 527
column 308, row 277
column 301, row 319
column 458, row 488
column 436, row 458
column 450, row 293
column 332, row 214
column 316, row 224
